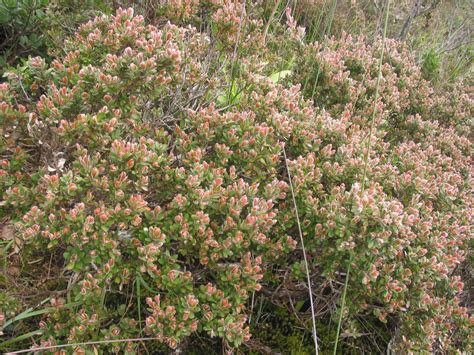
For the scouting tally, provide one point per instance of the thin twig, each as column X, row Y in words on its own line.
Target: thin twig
column 251, row 307
column 236, row 49
column 267, row 26
column 313, row 316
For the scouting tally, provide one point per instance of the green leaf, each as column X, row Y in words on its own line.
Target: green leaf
column 30, row 313
column 275, row 77
column 221, row 99
column 4, row 16
column 299, row 305
column 10, row 4
column 20, row 338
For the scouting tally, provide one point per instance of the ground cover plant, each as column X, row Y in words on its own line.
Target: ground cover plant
column 159, row 182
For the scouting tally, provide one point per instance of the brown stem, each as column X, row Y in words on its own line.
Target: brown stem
column 406, row 26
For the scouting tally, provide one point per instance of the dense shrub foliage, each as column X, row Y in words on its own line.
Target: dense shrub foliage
column 407, row 231
column 161, row 197
column 17, row 19
column 38, row 27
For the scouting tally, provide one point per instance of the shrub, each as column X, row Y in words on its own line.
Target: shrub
column 166, row 210
column 406, row 233
column 126, row 196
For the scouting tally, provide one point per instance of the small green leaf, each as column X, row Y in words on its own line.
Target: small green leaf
column 10, row 4
column 4, row 16
column 221, row 99
column 275, row 77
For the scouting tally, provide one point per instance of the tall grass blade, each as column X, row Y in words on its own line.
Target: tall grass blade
column 308, row 278
column 19, row 338
column 366, row 160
